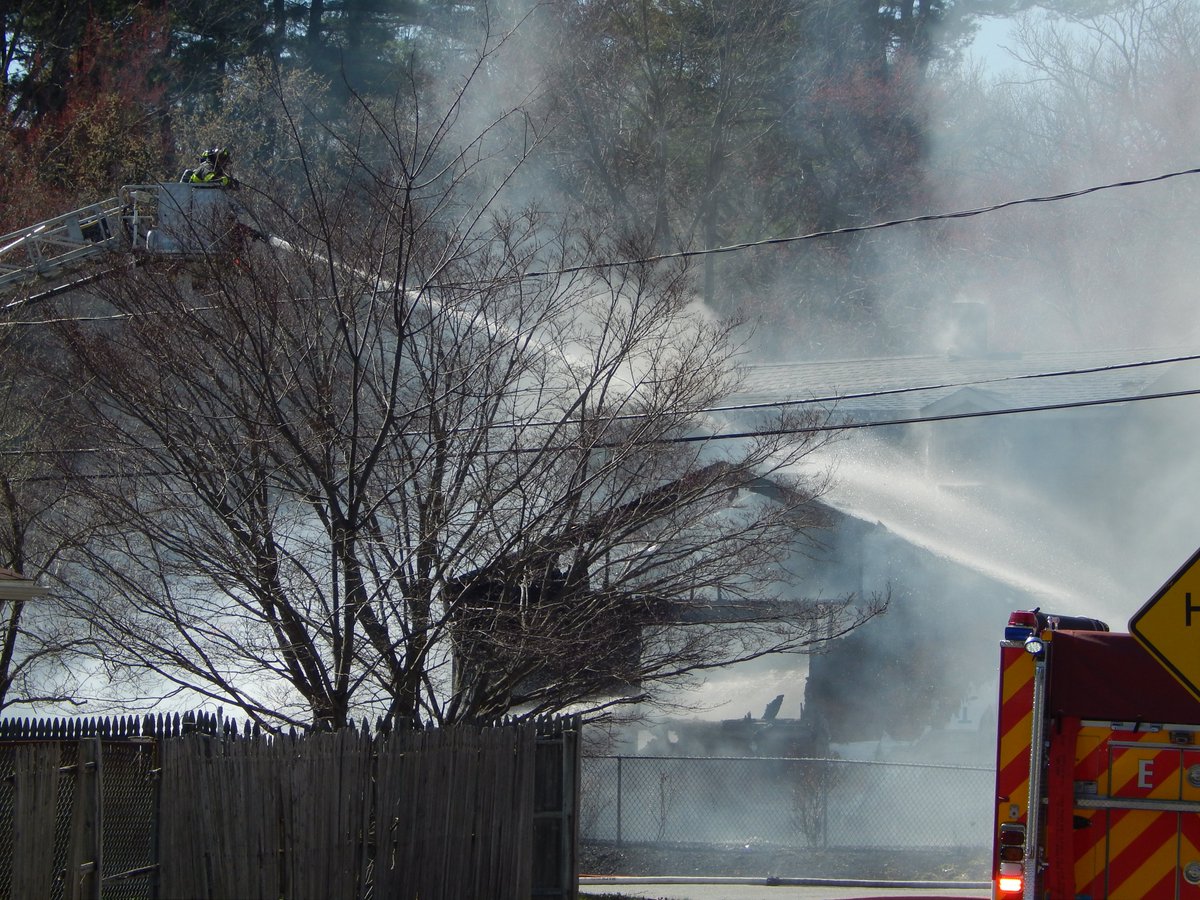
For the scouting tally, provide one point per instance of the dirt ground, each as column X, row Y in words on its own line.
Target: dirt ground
column 597, row 858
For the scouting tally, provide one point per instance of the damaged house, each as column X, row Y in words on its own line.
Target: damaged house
column 971, row 485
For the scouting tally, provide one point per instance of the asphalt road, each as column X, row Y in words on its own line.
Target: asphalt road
column 751, row 889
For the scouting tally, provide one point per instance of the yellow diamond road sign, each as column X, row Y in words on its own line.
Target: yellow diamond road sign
column 1169, row 625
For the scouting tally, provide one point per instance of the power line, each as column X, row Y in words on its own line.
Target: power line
column 835, row 399
column 921, row 420
column 817, row 400
column 767, row 404
column 747, row 245
column 855, row 229
column 848, row 425
column 851, row 425
column 887, row 392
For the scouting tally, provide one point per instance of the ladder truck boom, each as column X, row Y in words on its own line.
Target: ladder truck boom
column 158, row 219
column 62, row 243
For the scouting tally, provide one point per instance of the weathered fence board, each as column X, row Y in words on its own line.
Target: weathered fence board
column 450, row 797
column 36, row 815
column 194, row 810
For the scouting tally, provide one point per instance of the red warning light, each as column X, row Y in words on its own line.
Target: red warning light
column 1010, row 884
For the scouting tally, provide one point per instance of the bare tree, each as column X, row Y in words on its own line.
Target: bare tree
column 361, row 457
column 39, row 523
column 1096, row 96
column 666, row 146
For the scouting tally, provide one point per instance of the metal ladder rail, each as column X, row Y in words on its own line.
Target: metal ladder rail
column 56, row 244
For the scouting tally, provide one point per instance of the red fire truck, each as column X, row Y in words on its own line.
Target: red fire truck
column 1097, row 768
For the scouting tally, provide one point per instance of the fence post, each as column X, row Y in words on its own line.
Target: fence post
column 572, row 747
column 619, row 786
column 556, row 809
column 85, row 869
column 156, row 821
column 828, row 766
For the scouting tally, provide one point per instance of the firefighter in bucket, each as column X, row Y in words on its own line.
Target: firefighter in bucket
column 212, row 170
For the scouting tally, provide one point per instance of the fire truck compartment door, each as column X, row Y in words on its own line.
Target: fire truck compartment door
column 1144, row 823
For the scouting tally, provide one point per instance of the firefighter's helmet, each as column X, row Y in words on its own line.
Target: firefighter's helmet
column 217, row 156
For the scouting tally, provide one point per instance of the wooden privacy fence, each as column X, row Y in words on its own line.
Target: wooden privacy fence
column 142, row 810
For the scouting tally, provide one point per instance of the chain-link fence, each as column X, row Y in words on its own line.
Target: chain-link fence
column 129, row 819
column 127, row 801
column 808, row 803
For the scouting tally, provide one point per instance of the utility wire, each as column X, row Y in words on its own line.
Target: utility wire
column 887, row 392
column 849, row 425
column 747, row 245
column 921, row 420
column 855, row 229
